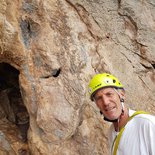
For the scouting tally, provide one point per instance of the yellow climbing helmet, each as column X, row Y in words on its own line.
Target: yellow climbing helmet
column 102, row 80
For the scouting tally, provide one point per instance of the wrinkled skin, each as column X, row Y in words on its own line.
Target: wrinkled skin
column 108, row 101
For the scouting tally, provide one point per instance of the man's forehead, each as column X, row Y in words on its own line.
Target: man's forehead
column 104, row 90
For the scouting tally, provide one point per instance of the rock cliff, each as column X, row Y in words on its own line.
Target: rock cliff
column 49, row 50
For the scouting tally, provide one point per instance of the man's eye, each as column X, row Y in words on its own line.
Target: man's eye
column 109, row 94
column 97, row 98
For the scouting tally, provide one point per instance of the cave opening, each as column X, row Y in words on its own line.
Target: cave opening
column 12, row 108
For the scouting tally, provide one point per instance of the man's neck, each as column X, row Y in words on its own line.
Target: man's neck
column 122, row 120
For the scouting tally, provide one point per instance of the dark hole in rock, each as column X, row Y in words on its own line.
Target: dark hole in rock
column 153, row 66
column 56, row 72
column 12, row 107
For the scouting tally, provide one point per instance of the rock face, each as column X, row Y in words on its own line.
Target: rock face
column 49, row 50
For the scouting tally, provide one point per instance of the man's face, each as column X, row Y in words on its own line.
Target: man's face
column 108, row 101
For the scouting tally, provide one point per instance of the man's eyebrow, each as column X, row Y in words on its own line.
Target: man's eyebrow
column 109, row 91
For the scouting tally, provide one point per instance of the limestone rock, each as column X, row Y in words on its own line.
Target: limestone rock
column 56, row 46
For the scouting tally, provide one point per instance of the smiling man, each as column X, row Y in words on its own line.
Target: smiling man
column 132, row 132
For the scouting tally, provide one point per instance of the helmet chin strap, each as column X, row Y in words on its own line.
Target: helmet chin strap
column 122, row 103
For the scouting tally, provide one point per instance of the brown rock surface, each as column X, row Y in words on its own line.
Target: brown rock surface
column 49, row 50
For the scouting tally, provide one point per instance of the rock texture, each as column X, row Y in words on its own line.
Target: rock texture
column 55, row 47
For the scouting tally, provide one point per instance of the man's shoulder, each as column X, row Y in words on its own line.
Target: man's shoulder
column 142, row 116
column 145, row 118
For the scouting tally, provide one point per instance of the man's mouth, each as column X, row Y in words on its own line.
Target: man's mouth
column 109, row 109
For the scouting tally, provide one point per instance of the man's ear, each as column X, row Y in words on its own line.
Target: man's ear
column 122, row 93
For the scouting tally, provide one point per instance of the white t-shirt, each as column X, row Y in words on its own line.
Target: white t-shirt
column 138, row 137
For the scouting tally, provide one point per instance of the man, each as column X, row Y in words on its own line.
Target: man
column 131, row 133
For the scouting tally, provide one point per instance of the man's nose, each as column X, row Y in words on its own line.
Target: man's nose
column 105, row 100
